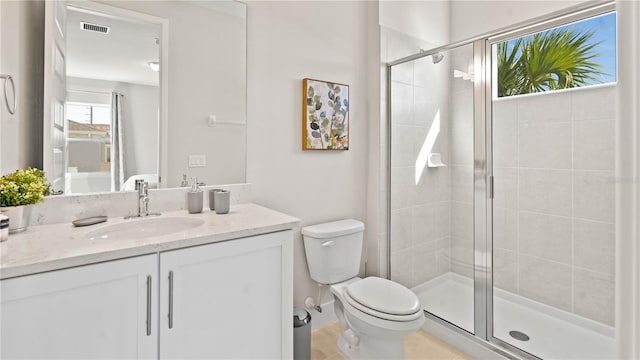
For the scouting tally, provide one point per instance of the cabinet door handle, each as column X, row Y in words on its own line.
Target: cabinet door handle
column 148, row 305
column 171, row 299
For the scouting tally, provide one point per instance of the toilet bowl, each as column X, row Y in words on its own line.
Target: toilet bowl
column 375, row 314
column 374, row 327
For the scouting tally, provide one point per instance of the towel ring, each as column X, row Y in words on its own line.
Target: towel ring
column 8, row 79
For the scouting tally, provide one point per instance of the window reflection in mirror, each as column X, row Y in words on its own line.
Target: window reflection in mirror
column 88, row 147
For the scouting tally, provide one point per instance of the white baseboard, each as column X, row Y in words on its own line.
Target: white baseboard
column 320, row 319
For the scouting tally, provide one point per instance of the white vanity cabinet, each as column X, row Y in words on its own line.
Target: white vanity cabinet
column 229, row 300
column 87, row 312
column 222, row 300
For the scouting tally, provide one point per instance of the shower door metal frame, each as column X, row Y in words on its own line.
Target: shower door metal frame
column 483, row 184
column 482, row 193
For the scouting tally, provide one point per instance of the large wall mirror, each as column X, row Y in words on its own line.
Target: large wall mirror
column 144, row 90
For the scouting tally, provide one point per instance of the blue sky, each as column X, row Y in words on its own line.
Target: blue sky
column 604, row 28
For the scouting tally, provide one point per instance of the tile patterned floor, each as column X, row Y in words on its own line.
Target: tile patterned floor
column 419, row 345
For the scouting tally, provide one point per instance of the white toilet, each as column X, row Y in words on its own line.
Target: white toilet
column 375, row 314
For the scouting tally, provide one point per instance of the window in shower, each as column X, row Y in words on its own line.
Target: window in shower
column 570, row 56
column 553, row 208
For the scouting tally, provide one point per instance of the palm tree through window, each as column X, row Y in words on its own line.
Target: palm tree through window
column 574, row 55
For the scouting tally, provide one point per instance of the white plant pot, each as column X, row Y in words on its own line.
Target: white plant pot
column 19, row 217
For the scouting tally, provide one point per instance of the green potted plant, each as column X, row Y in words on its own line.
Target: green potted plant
column 18, row 192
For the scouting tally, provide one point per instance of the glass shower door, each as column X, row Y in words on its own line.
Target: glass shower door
column 553, row 208
column 431, row 181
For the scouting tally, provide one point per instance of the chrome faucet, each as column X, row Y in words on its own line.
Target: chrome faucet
column 143, row 201
column 143, row 197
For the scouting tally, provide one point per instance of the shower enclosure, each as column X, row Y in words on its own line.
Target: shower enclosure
column 501, row 200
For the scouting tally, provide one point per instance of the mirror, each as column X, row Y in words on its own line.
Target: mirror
column 153, row 90
column 112, row 102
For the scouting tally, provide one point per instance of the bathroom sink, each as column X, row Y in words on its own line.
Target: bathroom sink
column 144, row 228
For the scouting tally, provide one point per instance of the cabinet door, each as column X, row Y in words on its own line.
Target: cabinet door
column 88, row 312
column 228, row 300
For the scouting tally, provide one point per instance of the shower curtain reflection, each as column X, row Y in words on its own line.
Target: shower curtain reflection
column 117, row 142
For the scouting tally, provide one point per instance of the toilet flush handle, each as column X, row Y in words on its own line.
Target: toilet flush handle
column 328, row 243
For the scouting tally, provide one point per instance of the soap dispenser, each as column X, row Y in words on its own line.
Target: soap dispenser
column 194, row 198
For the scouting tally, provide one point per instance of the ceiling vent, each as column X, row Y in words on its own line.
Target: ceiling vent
column 103, row 29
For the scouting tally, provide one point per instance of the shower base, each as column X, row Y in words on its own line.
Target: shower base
column 552, row 333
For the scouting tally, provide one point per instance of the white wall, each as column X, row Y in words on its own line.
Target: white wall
column 21, row 57
column 288, row 41
column 425, row 20
column 86, row 156
column 628, row 183
column 142, row 104
column 471, row 18
column 376, row 245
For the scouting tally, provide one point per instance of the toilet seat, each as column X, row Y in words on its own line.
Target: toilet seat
column 383, row 299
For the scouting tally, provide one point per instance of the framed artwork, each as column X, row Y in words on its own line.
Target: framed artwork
column 325, row 115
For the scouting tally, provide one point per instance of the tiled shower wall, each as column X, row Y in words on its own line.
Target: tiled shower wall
column 420, row 203
column 461, row 162
column 555, row 199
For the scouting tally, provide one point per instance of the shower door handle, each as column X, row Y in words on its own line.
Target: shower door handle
column 491, row 189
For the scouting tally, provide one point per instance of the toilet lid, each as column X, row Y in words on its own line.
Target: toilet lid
column 384, row 296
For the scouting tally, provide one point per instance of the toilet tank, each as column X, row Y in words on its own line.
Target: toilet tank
column 333, row 250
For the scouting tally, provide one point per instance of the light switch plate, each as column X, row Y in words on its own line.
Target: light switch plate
column 197, row 161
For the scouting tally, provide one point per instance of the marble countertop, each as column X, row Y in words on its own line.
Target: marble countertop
column 57, row 246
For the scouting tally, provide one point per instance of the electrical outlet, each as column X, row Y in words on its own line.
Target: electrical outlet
column 197, row 161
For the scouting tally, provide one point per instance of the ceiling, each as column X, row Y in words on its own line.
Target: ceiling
column 122, row 55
